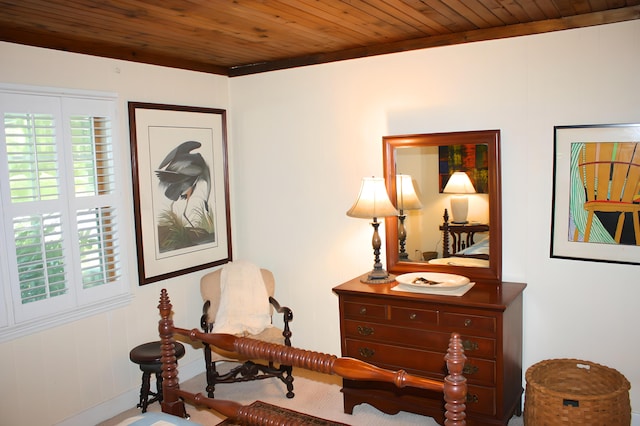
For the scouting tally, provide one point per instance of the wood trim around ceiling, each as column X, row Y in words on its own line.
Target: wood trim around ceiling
column 516, row 30
column 113, row 51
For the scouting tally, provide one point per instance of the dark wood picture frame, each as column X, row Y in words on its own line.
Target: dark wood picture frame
column 180, row 187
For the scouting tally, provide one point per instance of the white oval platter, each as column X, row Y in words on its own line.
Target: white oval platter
column 433, row 280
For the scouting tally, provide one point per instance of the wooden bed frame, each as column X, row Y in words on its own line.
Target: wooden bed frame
column 454, row 386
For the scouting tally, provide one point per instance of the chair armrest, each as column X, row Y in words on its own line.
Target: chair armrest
column 287, row 315
column 204, row 324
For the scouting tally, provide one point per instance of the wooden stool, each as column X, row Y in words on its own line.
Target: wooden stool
column 147, row 356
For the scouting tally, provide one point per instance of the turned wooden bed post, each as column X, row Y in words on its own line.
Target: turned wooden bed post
column 171, row 403
column 455, row 384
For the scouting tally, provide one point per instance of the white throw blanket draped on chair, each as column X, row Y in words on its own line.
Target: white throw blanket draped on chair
column 244, row 302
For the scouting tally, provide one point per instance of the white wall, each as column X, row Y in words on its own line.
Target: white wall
column 72, row 372
column 306, row 137
column 301, row 140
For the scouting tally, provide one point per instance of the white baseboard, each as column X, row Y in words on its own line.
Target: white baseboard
column 125, row 401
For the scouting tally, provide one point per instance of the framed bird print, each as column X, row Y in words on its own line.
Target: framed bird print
column 180, row 188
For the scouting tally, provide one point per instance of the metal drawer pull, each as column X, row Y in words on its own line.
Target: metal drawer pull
column 363, row 310
column 473, row 398
column 469, row 345
column 366, row 352
column 365, row 331
column 413, row 316
column 470, row 369
column 467, row 322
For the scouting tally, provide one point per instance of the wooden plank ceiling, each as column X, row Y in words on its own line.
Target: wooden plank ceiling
column 249, row 36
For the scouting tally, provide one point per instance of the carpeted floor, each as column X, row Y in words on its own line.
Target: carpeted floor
column 316, row 394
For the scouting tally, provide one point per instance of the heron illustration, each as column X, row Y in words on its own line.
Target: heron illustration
column 181, row 171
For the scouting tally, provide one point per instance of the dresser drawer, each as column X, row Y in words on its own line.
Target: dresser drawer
column 413, row 317
column 418, row 338
column 421, row 362
column 481, row 400
column 464, row 323
column 395, row 358
column 365, row 310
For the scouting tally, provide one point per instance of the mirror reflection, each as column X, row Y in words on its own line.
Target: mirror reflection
column 442, row 184
column 446, row 188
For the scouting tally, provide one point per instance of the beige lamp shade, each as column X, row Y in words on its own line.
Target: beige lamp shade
column 459, row 184
column 407, row 197
column 373, row 200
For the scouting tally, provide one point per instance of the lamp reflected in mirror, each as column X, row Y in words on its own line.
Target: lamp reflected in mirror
column 459, row 185
column 373, row 202
column 407, row 199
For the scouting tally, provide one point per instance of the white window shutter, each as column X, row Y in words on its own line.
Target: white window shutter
column 59, row 194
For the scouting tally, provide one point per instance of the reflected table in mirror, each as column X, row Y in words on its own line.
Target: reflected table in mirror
column 463, row 239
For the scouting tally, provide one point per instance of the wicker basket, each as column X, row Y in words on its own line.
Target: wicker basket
column 574, row 392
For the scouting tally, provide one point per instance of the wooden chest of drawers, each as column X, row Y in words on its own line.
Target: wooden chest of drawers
column 410, row 331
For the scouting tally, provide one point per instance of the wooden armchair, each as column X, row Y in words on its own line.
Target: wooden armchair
column 248, row 369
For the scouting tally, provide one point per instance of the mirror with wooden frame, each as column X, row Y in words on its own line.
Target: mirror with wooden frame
column 424, row 237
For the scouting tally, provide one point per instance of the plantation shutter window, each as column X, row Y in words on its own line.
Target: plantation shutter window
column 59, row 189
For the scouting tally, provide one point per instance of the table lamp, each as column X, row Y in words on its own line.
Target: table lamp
column 406, row 199
column 459, row 184
column 373, row 202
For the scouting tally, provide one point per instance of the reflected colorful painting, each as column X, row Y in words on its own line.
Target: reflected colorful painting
column 597, row 186
column 470, row 158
